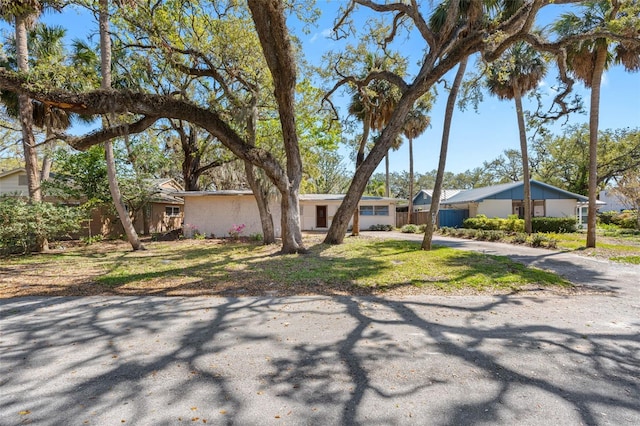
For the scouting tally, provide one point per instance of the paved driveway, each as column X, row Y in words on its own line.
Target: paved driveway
column 510, row 359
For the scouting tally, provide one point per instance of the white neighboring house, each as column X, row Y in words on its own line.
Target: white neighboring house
column 14, row 182
column 615, row 202
column 217, row 212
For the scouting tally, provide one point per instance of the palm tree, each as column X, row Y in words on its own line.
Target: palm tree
column 387, row 185
column 444, row 146
column 24, row 13
column 515, row 73
column 105, row 67
column 416, row 122
column 373, row 105
column 587, row 60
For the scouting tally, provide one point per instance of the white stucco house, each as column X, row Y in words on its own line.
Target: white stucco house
column 217, row 212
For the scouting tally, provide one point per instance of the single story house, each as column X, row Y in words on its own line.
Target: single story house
column 163, row 213
column 507, row 199
column 615, row 202
column 14, row 182
column 217, row 212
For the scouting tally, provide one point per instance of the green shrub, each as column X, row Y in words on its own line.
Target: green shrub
column 553, row 224
column 409, row 229
column 542, row 240
column 626, row 219
column 422, row 228
column 92, row 239
column 381, row 227
column 22, row 224
column 256, row 237
column 536, row 240
column 511, row 224
column 519, row 238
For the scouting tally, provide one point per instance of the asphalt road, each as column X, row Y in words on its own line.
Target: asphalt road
column 509, row 359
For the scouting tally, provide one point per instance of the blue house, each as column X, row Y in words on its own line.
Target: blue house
column 507, row 199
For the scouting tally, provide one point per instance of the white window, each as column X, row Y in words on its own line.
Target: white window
column 366, row 210
column 374, row 210
column 172, row 211
column 381, row 210
column 22, row 180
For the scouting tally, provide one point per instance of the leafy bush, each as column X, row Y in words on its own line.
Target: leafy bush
column 22, row 224
column 553, row 224
column 381, row 227
column 542, row 240
column 511, row 224
column 519, row 238
column 409, row 229
column 91, row 239
column 256, row 237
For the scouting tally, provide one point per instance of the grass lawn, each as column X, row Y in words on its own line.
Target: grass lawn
column 214, row 267
column 624, row 249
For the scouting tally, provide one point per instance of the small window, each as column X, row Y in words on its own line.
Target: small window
column 366, row 210
column 381, row 210
column 22, row 180
column 172, row 211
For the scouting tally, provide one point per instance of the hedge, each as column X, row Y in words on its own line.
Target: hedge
column 513, row 224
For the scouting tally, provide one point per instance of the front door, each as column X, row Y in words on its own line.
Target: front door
column 321, row 216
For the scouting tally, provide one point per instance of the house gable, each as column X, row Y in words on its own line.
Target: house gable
column 539, row 191
column 422, row 198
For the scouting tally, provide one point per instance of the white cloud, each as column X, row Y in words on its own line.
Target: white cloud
column 326, row 33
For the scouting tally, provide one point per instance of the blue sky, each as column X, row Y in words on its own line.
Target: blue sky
column 475, row 136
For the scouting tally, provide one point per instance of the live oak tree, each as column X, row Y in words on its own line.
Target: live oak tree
column 466, row 28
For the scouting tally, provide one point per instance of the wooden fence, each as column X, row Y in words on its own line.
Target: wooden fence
column 418, row 218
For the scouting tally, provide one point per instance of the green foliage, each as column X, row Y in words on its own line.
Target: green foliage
column 553, row 224
column 519, row 238
column 256, row 237
column 22, row 224
column 535, row 240
column 626, row 219
column 410, row 229
column 381, row 227
column 92, row 239
column 542, row 240
column 563, row 160
column 511, row 224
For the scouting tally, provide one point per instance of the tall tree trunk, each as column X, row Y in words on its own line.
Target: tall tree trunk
column 444, row 146
column 526, row 178
column 594, row 114
column 355, row 228
column 410, row 180
column 114, row 189
column 387, row 190
column 26, row 124
column 262, row 200
column 270, row 23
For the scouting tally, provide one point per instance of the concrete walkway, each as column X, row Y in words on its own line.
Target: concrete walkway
column 510, row 359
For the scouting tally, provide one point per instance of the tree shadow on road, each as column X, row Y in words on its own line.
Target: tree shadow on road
column 340, row 360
